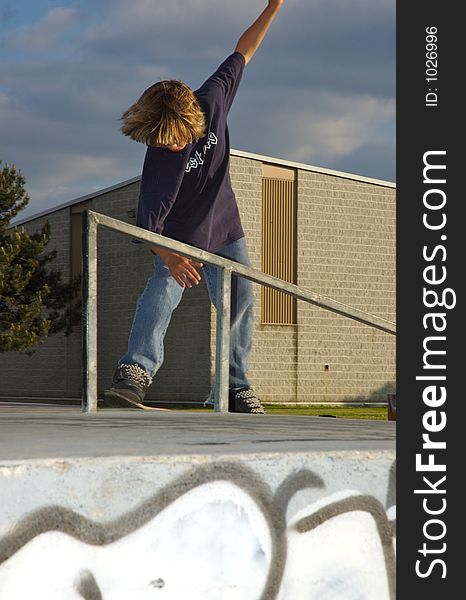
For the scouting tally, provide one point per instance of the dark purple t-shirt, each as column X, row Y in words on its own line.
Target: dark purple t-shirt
column 187, row 195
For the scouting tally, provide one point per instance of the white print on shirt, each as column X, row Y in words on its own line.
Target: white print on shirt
column 198, row 159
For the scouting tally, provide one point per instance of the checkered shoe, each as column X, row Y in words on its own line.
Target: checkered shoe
column 130, row 384
column 244, row 400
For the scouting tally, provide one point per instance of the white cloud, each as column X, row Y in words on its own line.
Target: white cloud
column 72, row 177
column 313, row 127
column 44, row 34
column 321, row 90
column 175, row 15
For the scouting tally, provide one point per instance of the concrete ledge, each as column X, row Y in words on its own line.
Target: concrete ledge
column 126, row 504
column 6, row 401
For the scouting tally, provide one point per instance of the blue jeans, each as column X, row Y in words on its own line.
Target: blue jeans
column 163, row 294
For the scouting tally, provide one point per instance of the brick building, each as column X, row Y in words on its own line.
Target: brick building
column 326, row 231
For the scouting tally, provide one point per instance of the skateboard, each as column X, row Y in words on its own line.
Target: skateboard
column 114, row 400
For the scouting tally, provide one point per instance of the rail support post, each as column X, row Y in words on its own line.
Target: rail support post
column 89, row 313
column 222, row 358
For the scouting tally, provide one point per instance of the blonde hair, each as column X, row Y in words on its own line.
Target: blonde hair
column 167, row 113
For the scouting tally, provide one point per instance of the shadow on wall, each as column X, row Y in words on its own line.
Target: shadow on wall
column 378, row 395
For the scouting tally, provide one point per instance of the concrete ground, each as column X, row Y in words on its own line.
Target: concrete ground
column 118, row 503
column 58, row 432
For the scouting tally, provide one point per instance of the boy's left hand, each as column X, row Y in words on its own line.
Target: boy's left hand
column 183, row 270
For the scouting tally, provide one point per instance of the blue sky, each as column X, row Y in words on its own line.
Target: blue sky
column 320, row 89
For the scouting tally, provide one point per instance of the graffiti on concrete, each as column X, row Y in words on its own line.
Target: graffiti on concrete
column 216, row 532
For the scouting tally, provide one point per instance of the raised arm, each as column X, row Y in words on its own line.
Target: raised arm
column 252, row 37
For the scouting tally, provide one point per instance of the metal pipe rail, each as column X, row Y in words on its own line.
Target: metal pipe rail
column 226, row 268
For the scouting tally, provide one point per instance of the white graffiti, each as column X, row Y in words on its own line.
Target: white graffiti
column 340, row 559
column 198, row 159
column 213, row 541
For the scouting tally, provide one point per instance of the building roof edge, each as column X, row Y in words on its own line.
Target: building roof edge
column 239, row 153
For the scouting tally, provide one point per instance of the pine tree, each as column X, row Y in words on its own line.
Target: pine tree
column 34, row 300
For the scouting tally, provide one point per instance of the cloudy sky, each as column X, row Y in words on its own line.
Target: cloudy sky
column 320, row 90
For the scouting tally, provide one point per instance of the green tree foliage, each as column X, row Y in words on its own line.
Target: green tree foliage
column 34, row 300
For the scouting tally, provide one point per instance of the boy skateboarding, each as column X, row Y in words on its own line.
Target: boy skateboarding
column 186, row 195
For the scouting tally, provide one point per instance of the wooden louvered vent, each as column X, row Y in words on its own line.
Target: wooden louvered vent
column 278, row 244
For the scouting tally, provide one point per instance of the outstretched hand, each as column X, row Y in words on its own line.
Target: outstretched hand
column 253, row 36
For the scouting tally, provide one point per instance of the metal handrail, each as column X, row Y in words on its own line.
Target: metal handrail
column 226, row 268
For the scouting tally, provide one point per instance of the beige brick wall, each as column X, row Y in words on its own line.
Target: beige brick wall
column 54, row 368
column 346, row 250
